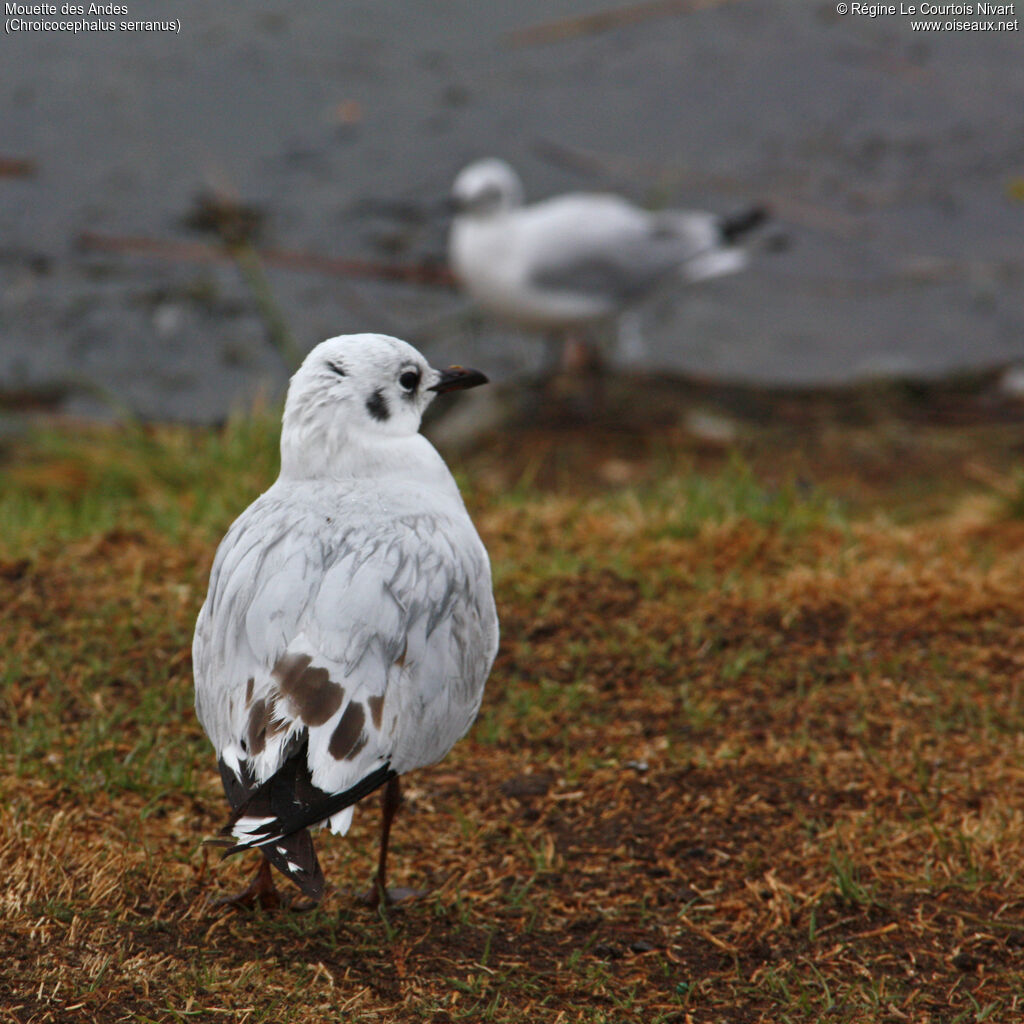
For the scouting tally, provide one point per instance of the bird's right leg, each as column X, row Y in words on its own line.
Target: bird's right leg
column 390, row 801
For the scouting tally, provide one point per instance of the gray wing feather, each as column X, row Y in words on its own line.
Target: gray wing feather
column 403, row 614
column 628, row 258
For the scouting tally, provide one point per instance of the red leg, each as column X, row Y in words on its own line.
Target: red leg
column 260, row 892
column 390, row 801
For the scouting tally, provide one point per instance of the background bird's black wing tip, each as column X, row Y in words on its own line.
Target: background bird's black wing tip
column 738, row 224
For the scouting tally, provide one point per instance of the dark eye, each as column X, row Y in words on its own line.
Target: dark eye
column 410, row 380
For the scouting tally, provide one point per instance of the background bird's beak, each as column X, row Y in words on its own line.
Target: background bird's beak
column 458, row 378
column 446, row 207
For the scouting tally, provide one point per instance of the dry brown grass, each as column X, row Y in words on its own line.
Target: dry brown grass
column 752, row 761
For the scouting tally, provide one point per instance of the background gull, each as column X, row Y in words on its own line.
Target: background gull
column 575, row 260
column 350, row 625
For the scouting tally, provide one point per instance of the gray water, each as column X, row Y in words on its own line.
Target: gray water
column 893, row 161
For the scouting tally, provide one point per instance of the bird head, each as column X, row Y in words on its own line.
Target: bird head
column 356, row 391
column 485, row 187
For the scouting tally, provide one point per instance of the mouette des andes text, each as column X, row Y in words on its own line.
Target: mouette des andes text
column 38, row 10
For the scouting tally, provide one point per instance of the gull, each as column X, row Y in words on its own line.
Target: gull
column 350, row 624
column 575, row 260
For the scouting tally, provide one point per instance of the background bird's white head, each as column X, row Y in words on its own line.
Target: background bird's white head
column 355, row 395
column 487, row 186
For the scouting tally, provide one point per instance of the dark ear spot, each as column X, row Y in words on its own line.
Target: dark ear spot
column 377, row 406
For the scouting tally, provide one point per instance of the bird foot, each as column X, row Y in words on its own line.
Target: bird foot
column 260, row 892
column 376, row 897
column 248, row 899
column 266, row 901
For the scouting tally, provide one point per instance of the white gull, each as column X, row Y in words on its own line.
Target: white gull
column 350, row 625
column 574, row 260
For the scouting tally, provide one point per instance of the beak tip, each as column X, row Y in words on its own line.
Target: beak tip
column 459, row 378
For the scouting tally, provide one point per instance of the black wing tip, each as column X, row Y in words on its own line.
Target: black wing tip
column 736, row 225
column 295, row 857
column 300, row 815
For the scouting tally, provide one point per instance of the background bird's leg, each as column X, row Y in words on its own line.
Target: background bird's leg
column 390, row 801
column 578, row 355
column 554, row 342
column 577, row 388
column 260, row 892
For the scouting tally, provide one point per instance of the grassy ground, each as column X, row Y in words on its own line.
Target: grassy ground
column 752, row 749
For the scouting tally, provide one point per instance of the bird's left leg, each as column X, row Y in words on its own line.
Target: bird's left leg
column 390, row 801
column 260, row 892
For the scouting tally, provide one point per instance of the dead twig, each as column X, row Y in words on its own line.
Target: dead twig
column 287, row 259
column 16, row 167
column 279, row 333
column 988, row 477
column 561, row 29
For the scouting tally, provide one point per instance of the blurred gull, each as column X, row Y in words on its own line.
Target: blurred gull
column 575, row 260
column 349, row 626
